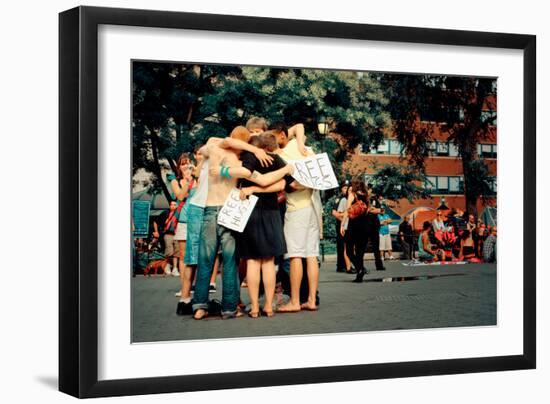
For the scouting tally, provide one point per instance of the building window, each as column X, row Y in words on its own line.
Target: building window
column 454, row 184
column 487, row 151
column 489, row 117
column 453, row 150
column 394, row 147
column 442, row 148
column 431, row 147
column 444, row 185
column 431, row 184
column 383, row 147
column 386, row 146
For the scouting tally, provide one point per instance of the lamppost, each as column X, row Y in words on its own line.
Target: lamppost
column 322, row 126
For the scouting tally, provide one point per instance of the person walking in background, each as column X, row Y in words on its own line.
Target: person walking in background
column 406, row 239
column 373, row 229
column 343, row 263
column 490, row 246
column 166, row 226
column 354, row 224
column 384, row 234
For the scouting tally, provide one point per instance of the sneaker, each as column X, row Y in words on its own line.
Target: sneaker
column 178, row 294
column 167, row 270
column 212, row 288
column 175, row 272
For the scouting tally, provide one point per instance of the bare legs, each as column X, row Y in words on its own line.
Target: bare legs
column 187, row 281
column 346, row 259
column 181, row 265
column 267, row 268
column 296, row 274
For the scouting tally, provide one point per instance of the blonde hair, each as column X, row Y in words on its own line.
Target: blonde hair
column 256, row 123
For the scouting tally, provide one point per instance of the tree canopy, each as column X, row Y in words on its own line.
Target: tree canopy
column 463, row 106
column 178, row 106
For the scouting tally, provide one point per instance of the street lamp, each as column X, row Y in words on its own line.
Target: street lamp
column 442, row 206
column 323, row 125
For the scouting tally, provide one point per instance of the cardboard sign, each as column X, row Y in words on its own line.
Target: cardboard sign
column 140, row 218
column 315, row 172
column 235, row 212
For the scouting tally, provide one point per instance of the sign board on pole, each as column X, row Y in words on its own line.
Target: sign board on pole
column 140, row 218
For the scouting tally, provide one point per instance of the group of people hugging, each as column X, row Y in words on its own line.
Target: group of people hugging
column 284, row 227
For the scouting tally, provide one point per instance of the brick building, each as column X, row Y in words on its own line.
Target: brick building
column 443, row 164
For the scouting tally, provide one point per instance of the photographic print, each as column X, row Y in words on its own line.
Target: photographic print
column 275, row 201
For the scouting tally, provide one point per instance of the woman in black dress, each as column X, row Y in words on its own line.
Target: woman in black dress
column 354, row 226
column 262, row 239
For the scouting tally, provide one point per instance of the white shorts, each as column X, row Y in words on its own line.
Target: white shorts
column 181, row 232
column 301, row 233
column 385, row 242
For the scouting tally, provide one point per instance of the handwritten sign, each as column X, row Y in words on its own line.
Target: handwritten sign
column 140, row 217
column 235, row 212
column 315, row 172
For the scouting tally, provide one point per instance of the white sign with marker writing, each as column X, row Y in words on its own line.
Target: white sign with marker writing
column 315, row 172
column 235, row 212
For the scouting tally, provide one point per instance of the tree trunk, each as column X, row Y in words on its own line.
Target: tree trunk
column 156, row 166
column 468, row 152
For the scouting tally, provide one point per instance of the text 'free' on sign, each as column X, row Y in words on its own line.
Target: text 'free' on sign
column 315, row 172
column 235, row 212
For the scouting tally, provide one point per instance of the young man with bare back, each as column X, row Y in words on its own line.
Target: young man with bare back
column 224, row 152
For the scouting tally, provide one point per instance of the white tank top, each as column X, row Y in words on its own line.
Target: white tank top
column 201, row 193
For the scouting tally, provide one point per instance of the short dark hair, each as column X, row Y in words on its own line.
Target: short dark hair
column 279, row 127
column 427, row 225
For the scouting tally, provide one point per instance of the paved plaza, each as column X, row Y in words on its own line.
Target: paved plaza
column 401, row 297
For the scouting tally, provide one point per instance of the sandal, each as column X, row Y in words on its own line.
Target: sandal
column 267, row 313
column 253, row 314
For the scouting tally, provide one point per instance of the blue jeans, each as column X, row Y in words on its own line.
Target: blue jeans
column 213, row 236
column 194, row 223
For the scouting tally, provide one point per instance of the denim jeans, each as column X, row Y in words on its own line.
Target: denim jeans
column 213, row 236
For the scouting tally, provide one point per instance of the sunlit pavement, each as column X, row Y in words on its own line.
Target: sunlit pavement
column 401, row 297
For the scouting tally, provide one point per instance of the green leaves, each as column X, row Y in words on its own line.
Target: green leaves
column 395, row 182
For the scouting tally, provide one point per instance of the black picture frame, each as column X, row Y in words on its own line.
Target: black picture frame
column 78, row 206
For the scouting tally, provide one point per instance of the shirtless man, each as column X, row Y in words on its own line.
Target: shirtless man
column 224, row 152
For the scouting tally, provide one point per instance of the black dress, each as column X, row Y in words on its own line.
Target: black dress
column 356, row 240
column 263, row 235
